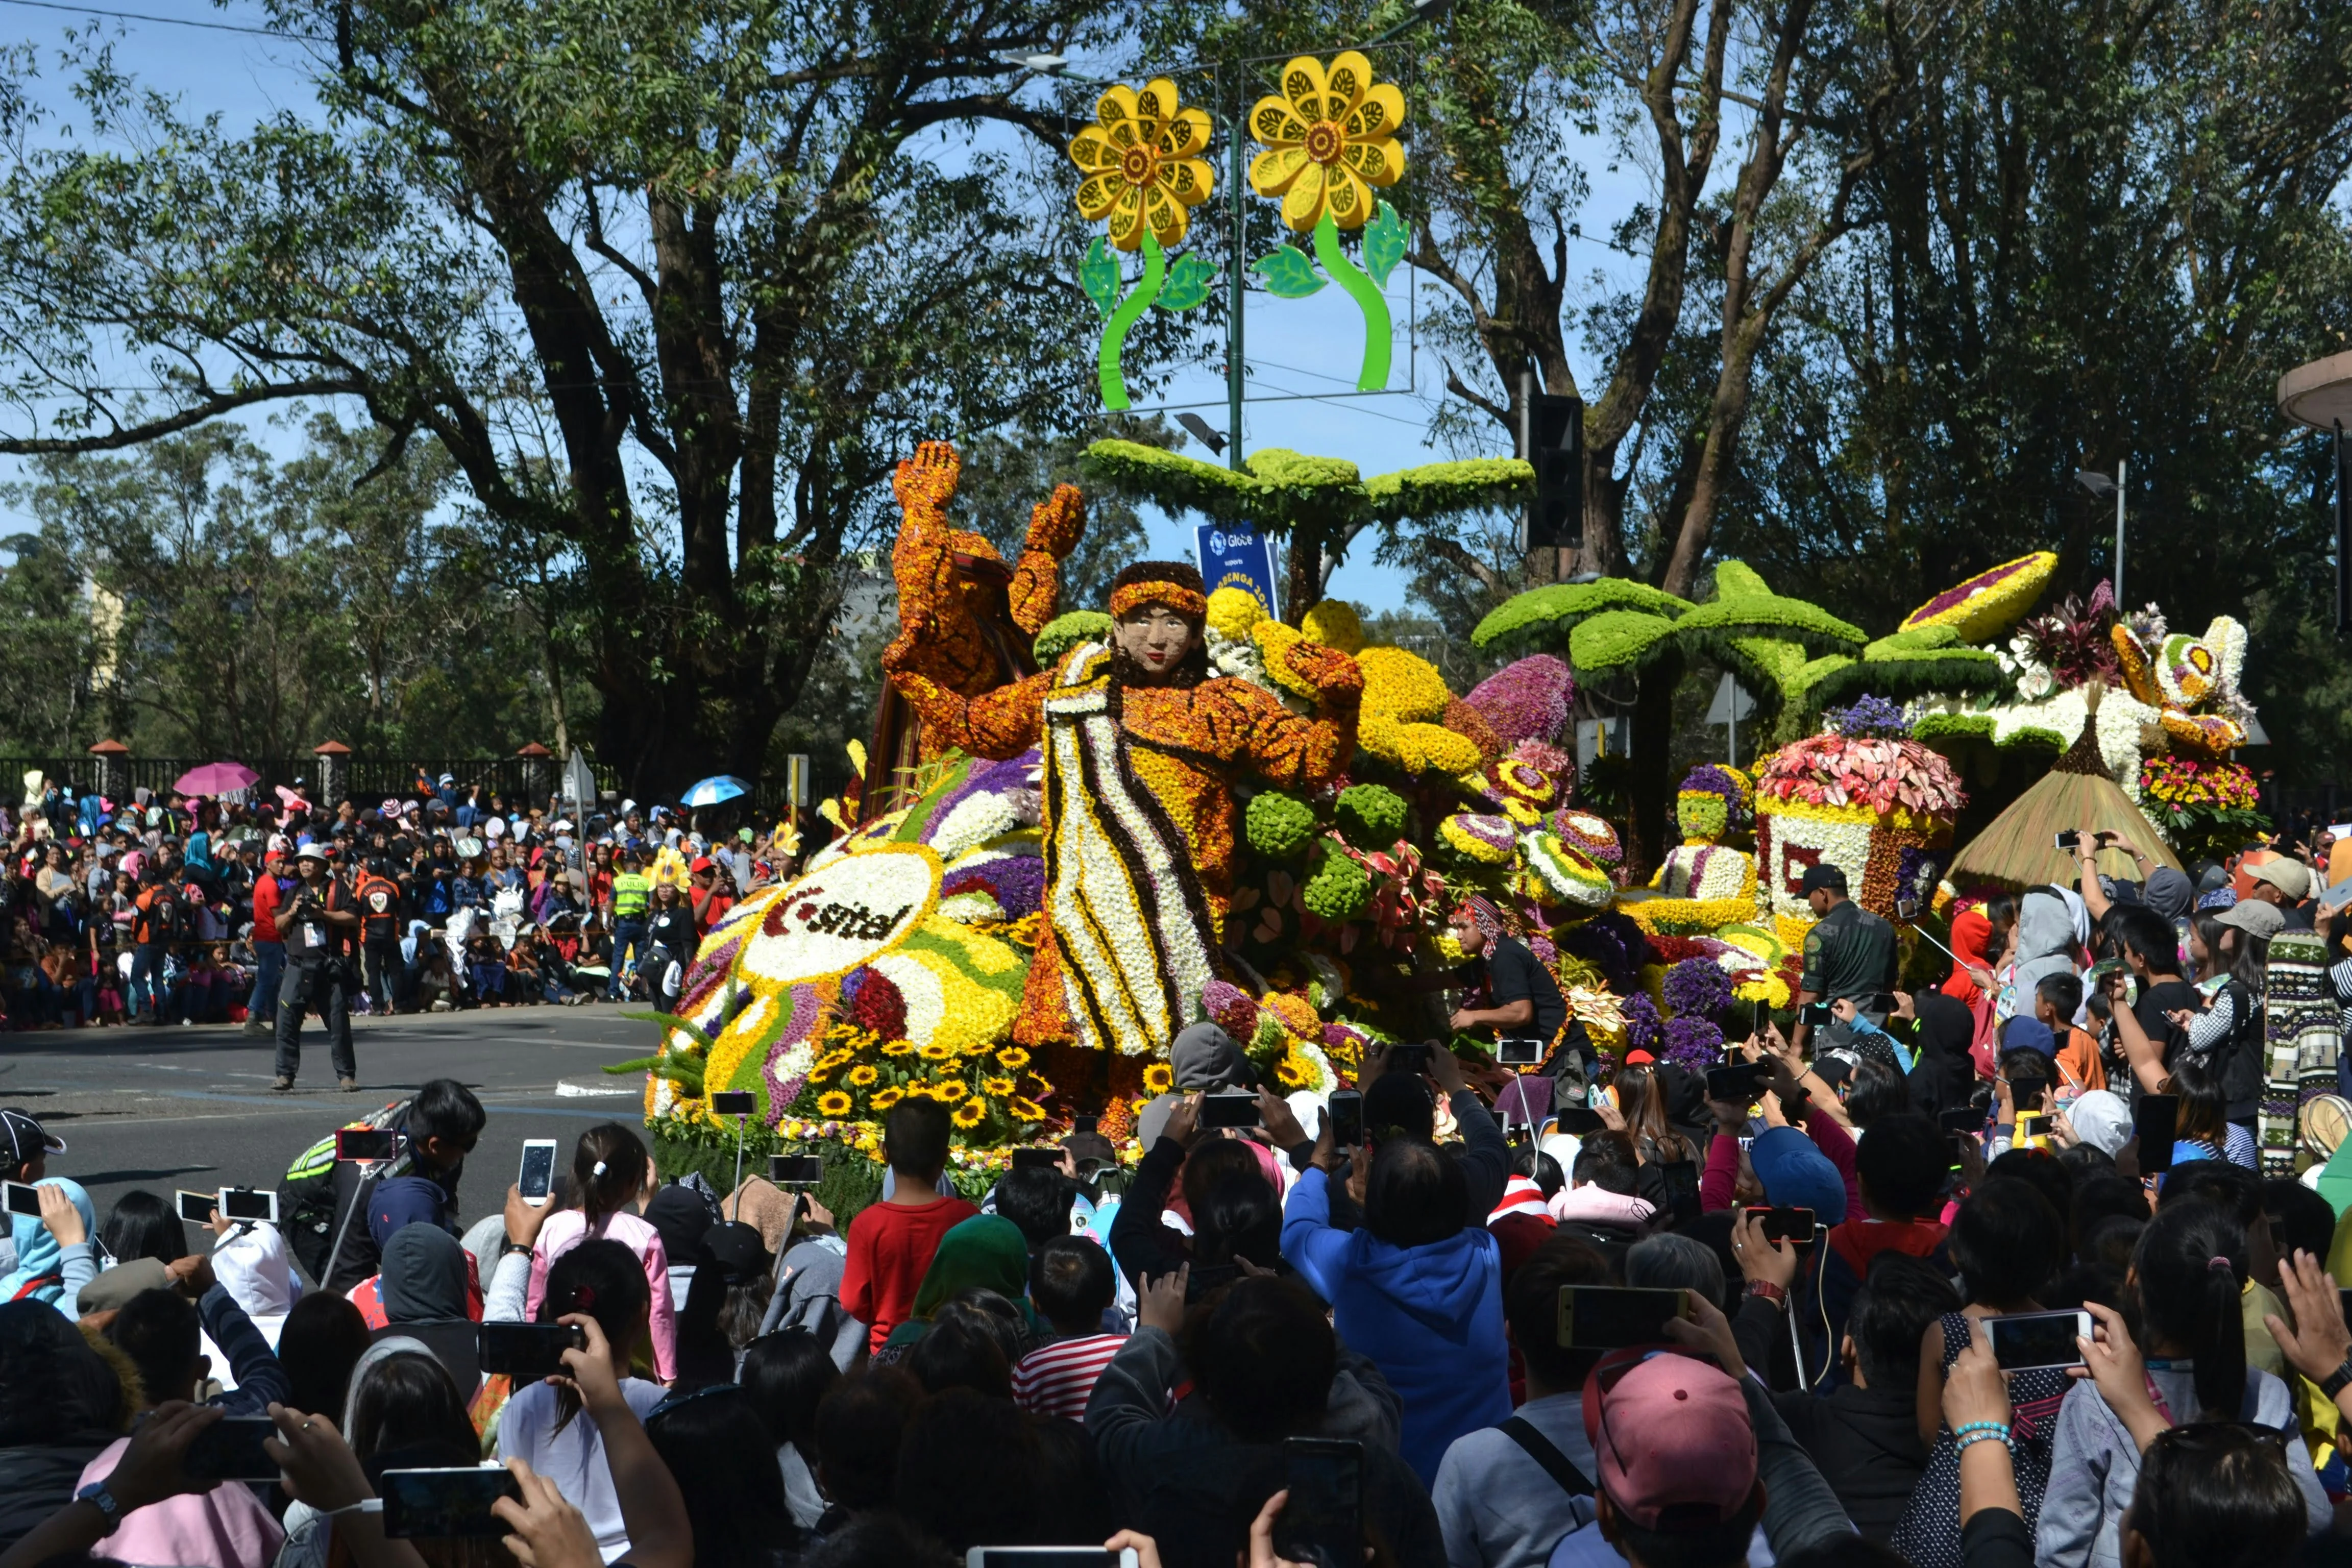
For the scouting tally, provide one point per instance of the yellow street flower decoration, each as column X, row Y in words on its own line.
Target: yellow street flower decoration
column 1002, row 1087
column 1141, row 162
column 951, row 1089
column 1013, row 1059
column 898, row 1049
column 1328, row 136
column 1027, row 1109
column 936, row 1052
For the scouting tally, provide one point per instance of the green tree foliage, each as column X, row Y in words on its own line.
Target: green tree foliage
column 237, row 608
column 47, row 645
column 673, row 285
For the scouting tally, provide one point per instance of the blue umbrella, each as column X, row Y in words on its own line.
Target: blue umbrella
column 711, row 791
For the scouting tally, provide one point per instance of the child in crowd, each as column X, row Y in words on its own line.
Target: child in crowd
column 1075, row 1286
column 891, row 1242
column 610, row 1173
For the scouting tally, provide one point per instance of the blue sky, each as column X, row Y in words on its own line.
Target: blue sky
column 1293, row 346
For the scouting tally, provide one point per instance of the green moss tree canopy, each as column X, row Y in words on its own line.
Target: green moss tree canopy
column 672, row 285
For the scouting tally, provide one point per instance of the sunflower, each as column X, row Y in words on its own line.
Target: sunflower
column 832, row 1060
column 862, row 1075
column 1140, row 162
column 898, row 1049
column 1290, row 1072
column 1027, row 1109
column 1328, row 135
column 1160, row 1078
column 1002, row 1087
column 884, row 1099
column 835, row 1104
column 936, row 1052
column 950, row 1090
column 970, row 1114
column 1013, row 1059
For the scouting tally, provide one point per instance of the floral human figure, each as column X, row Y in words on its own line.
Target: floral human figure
column 1141, row 748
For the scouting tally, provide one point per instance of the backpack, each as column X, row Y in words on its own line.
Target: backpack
column 306, row 1199
column 1569, row 1548
column 2239, row 1061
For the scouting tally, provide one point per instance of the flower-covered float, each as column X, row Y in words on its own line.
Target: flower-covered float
column 1863, row 797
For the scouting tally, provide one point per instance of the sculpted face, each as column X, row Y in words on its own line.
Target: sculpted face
column 1156, row 639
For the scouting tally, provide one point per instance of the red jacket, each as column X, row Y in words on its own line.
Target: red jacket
column 265, row 906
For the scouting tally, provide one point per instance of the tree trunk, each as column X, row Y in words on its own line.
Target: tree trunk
column 1653, row 773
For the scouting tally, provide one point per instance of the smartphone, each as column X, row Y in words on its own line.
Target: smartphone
column 735, row 1102
column 537, row 1176
column 2032, row 1130
column 440, row 1505
column 1228, row 1111
column 1907, row 910
column 1611, row 1317
column 1049, row 1557
column 1578, row 1120
column 1740, row 1083
column 230, row 1450
column 1409, row 1058
column 1682, row 1184
column 1795, row 1226
column 1083, row 1126
column 247, row 1203
column 1048, row 1159
column 1347, row 1108
column 2022, row 1342
column 366, row 1144
column 1518, row 1053
column 2154, row 1121
column 1815, row 1014
column 197, row 1208
column 527, row 1352
column 24, row 1198
column 803, row 1170
column 1323, row 1523
column 1967, row 1119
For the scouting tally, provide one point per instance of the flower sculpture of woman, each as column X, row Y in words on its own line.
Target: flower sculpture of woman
column 1706, row 882
column 1141, row 747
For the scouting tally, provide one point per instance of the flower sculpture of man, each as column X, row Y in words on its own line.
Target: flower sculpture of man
column 1706, row 882
column 1141, row 747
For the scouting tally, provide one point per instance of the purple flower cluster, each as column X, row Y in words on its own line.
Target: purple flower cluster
column 1870, row 718
column 1641, row 1026
column 1610, row 942
column 1693, row 1044
column 1528, row 701
column 1017, row 883
column 1697, row 988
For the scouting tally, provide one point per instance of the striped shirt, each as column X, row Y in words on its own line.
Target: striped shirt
column 1058, row 1379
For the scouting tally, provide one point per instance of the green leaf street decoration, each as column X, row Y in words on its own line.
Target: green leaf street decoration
column 1098, row 276
column 1384, row 244
column 1288, row 274
column 1322, row 503
column 1130, row 311
column 1379, row 331
column 1188, row 281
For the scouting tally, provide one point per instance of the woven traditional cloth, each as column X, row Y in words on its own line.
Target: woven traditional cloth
column 2303, row 1031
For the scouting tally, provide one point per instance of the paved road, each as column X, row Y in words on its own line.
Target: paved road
column 192, row 1107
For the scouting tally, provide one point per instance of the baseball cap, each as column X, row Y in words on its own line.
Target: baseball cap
column 26, row 1138
column 1793, row 1170
column 2253, row 917
column 1676, row 1447
column 313, row 851
column 1822, row 875
column 1634, row 1058
column 2024, row 1034
column 2290, row 876
column 701, row 864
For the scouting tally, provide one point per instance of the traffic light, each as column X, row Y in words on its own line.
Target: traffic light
column 1551, row 438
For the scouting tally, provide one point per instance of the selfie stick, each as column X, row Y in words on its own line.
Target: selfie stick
column 739, row 1119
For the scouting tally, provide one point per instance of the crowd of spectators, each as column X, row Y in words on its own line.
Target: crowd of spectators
column 161, row 910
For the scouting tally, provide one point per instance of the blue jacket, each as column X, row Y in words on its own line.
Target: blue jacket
column 1430, row 1318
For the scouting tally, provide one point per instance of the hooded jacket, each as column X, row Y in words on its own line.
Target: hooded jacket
column 2052, row 924
column 1430, row 1317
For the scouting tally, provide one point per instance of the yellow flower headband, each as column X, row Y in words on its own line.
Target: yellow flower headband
column 1184, row 601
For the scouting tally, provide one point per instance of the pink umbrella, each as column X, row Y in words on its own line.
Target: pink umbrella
column 216, row 778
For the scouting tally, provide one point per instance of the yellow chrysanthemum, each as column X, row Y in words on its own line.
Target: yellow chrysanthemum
column 1328, row 136
column 835, row 1104
column 898, row 1049
column 1160, row 1078
column 970, row 1114
column 1000, row 1088
column 951, row 1089
column 1334, row 624
column 884, row 1099
column 1403, row 685
column 1141, row 163
column 1234, row 611
column 862, row 1075
column 1013, row 1059
column 1027, row 1109
column 936, row 1052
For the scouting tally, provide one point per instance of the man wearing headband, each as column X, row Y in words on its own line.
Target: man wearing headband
column 1142, row 750
column 1514, row 996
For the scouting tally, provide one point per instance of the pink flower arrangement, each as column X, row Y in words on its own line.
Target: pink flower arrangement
column 1527, row 700
column 1880, row 776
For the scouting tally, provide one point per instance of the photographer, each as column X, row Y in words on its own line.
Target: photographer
column 318, row 923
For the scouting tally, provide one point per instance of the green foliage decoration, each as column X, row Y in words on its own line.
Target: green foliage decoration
column 1065, row 632
column 1280, row 825
column 1619, row 639
column 1338, row 891
column 1371, row 816
column 1562, row 605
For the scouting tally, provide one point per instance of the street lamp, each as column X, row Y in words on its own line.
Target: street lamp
column 2102, row 487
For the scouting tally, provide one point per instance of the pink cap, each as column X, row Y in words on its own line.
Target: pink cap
column 1672, row 1437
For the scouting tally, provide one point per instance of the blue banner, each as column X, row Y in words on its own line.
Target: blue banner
column 1238, row 558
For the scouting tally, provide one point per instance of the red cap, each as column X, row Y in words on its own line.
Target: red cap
column 701, row 864
column 1673, row 1441
column 1639, row 1058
